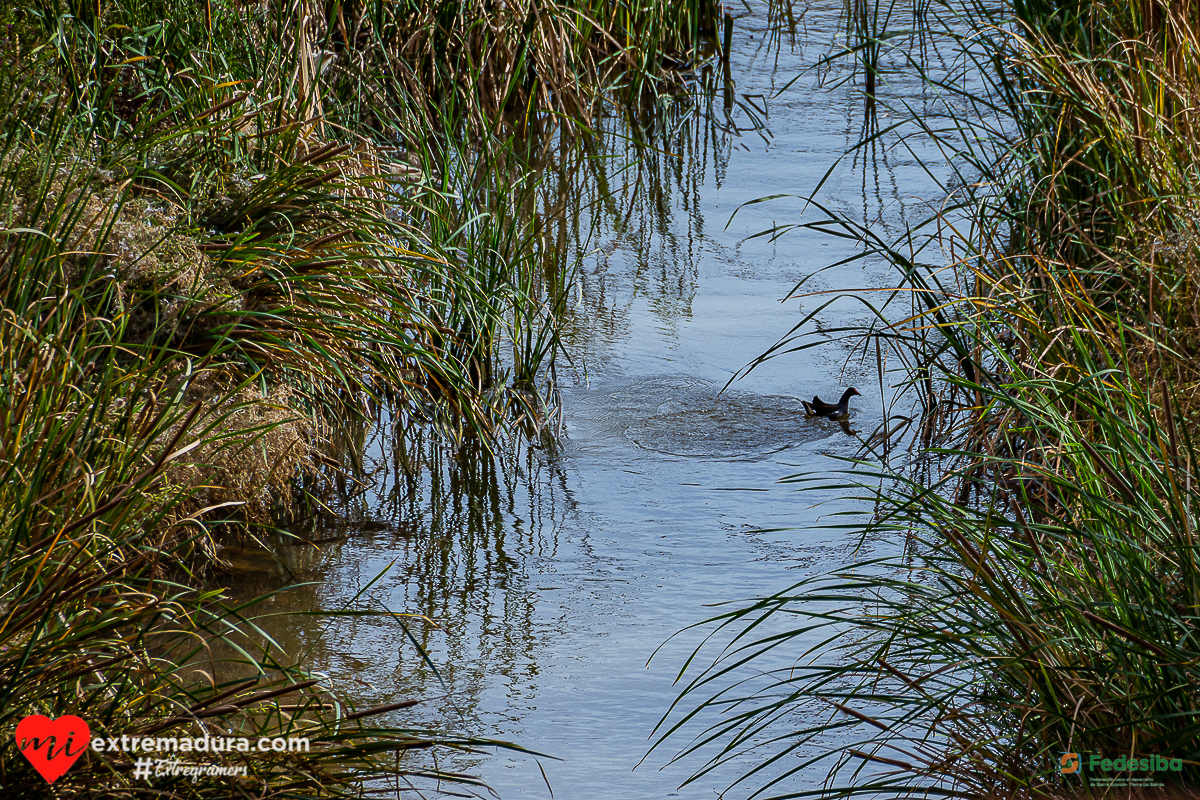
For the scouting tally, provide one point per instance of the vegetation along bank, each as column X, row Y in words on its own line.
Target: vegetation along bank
column 1047, row 600
column 233, row 234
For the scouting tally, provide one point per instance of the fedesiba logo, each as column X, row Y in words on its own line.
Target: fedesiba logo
column 1073, row 763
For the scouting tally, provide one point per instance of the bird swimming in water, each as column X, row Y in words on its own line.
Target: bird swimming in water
column 840, row 410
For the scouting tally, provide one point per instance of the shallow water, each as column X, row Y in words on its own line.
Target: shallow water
column 554, row 576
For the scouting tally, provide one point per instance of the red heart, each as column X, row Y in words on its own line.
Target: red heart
column 49, row 744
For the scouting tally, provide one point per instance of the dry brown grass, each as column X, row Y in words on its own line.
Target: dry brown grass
column 255, row 448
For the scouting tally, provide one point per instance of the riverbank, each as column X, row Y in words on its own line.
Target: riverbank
column 1047, row 597
column 231, row 236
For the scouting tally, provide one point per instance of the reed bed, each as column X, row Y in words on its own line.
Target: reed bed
column 528, row 64
column 1044, row 595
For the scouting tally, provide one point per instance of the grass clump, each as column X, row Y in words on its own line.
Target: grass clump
column 1045, row 599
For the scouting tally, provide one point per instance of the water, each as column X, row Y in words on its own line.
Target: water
column 553, row 576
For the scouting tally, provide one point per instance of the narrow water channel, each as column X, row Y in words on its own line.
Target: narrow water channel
column 553, row 575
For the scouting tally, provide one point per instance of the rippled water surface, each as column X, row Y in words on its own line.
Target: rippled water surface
column 554, row 576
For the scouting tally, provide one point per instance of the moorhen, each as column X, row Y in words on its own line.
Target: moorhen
column 840, row 411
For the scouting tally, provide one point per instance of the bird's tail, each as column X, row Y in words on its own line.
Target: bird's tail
column 808, row 408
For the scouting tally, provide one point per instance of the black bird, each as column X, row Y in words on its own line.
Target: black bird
column 840, row 411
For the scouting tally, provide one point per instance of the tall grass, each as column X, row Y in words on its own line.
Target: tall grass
column 145, row 400
column 527, row 62
column 1043, row 595
column 99, row 533
column 231, row 233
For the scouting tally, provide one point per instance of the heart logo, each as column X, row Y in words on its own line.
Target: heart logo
column 52, row 745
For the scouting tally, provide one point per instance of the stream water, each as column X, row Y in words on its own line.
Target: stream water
column 553, row 575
